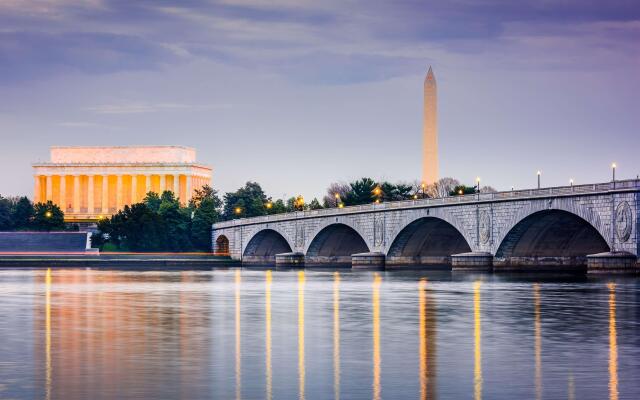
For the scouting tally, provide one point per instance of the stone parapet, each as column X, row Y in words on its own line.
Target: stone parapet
column 367, row 261
column 612, row 262
column 472, row 261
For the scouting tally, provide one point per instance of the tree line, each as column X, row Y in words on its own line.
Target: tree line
column 20, row 214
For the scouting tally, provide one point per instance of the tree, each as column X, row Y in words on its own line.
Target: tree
column 442, row 187
column 22, row 214
column 6, row 222
column 176, row 221
column 206, row 214
column 462, row 190
column 248, row 201
column 48, row 217
column 336, row 193
column 315, row 204
column 361, row 192
column 391, row 192
column 152, row 200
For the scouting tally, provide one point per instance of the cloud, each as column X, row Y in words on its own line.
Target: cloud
column 329, row 42
column 144, row 108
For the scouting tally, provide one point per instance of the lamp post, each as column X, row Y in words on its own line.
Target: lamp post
column 539, row 173
column 613, row 172
column 423, row 186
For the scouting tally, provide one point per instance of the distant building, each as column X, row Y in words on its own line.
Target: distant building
column 90, row 183
column 430, row 170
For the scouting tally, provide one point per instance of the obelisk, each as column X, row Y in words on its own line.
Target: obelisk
column 430, row 173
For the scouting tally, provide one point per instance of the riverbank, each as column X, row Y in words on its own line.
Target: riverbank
column 115, row 260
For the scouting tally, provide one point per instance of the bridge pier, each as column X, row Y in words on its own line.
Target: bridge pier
column 613, row 262
column 370, row 260
column 290, row 260
column 472, row 261
column 539, row 264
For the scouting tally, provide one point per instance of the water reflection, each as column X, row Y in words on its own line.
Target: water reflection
column 376, row 336
column 477, row 336
column 537, row 340
column 267, row 302
column 238, row 280
column 336, row 335
column 48, row 366
column 229, row 334
column 613, row 344
column 301, row 366
column 427, row 342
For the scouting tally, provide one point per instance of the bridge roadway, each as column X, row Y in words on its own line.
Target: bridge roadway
column 591, row 226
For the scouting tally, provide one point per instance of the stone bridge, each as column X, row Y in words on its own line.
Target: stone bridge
column 561, row 227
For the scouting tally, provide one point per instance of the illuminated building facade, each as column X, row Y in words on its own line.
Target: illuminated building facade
column 89, row 183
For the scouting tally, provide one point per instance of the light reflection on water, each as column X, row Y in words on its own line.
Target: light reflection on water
column 77, row 334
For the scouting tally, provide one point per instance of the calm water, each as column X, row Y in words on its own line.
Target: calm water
column 253, row 334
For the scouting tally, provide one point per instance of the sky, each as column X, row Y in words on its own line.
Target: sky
column 297, row 94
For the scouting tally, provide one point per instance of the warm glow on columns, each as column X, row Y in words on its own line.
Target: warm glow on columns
column 238, row 348
column 36, row 189
column 76, row 194
column 119, row 192
column 189, row 188
column 163, row 183
column 63, row 193
column 49, row 188
column 613, row 344
column 147, row 184
column 105, row 194
column 90, row 194
column 134, row 189
column 477, row 342
column 376, row 336
column 301, row 365
column 176, row 185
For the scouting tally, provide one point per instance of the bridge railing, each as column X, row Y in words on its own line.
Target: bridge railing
column 469, row 198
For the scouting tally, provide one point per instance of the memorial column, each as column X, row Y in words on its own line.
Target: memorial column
column 76, row 194
column 176, row 185
column 37, row 190
column 163, row 183
column 90, row 194
column 105, row 194
column 118, row 192
column 134, row 189
column 189, row 188
column 63, row 193
column 147, row 184
column 49, row 187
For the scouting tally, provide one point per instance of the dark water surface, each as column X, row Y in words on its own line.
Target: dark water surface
column 253, row 334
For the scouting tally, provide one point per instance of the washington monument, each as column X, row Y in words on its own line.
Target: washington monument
column 430, row 173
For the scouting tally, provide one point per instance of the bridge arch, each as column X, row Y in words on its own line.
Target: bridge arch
column 221, row 246
column 551, row 236
column 426, row 240
column 334, row 244
column 263, row 246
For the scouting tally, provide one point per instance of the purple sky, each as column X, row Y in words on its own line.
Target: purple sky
column 297, row 94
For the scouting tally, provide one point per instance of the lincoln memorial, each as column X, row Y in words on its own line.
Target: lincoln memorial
column 90, row 183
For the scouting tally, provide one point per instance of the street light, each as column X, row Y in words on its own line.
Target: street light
column 424, row 185
column 269, row 205
column 613, row 171
column 539, row 173
column 238, row 210
column 48, row 214
column 571, row 182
